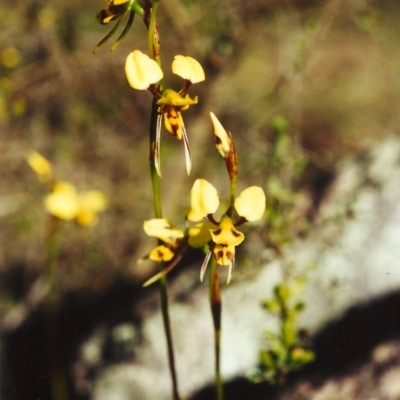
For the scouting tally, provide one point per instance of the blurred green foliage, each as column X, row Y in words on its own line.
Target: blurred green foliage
column 286, row 165
column 288, row 349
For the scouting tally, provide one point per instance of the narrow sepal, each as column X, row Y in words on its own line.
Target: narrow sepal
column 157, row 145
column 164, row 272
column 204, row 265
column 178, row 256
column 188, row 156
column 230, row 271
column 125, row 31
column 109, row 34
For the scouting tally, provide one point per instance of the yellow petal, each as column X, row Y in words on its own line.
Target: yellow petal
column 199, row 234
column 204, row 200
column 93, row 200
column 162, row 229
column 87, row 218
column 161, row 253
column 221, row 137
column 141, row 71
column 90, row 204
column 40, row 165
column 63, row 202
column 173, row 121
column 226, row 233
column 188, row 68
column 172, row 98
column 251, row 203
column 224, row 255
column 193, row 216
column 118, row 2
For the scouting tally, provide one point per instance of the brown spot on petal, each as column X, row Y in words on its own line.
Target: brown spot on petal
column 235, row 233
column 175, row 129
column 217, row 140
column 217, row 232
column 160, row 253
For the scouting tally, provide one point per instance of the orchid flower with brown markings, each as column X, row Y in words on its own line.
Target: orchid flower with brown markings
column 144, row 73
column 116, row 10
column 223, row 234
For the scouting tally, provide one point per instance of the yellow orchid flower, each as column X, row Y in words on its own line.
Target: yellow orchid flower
column 162, row 229
column 116, row 10
column 144, row 73
column 162, row 253
column 169, row 250
column 224, row 235
column 65, row 203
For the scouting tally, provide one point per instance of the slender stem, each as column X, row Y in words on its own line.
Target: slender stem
column 168, row 335
column 153, row 39
column 216, row 308
column 155, row 179
column 232, row 190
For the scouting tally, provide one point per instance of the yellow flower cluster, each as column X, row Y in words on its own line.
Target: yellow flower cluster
column 222, row 236
column 64, row 201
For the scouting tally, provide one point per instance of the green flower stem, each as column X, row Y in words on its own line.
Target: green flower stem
column 167, row 330
column 153, row 38
column 216, row 308
column 232, row 189
column 57, row 374
column 155, row 179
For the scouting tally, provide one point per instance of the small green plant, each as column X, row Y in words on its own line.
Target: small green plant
column 288, row 349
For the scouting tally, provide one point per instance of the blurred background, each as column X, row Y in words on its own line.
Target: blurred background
column 301, row 84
